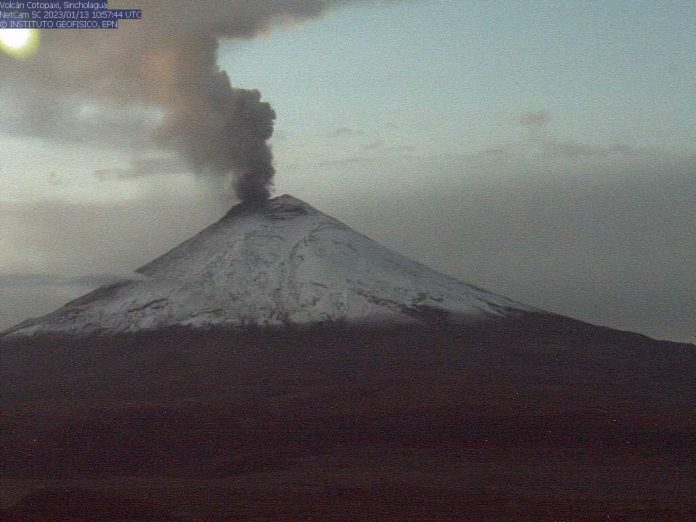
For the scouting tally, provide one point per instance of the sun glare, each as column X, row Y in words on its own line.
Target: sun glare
column 15, row 38
column 19, row 43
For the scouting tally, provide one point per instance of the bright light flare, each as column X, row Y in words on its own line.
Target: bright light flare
column 15, row 39
column 19, row 43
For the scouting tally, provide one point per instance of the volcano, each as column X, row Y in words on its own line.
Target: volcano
column 281, row 366
column 273, row 265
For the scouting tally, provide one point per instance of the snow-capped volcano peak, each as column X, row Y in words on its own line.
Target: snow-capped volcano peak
column 273, row 264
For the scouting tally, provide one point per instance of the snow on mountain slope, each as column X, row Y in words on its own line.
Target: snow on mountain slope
column 276, row 264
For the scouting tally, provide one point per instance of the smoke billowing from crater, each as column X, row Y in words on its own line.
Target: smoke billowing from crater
column 80, row 84
column 215, row 127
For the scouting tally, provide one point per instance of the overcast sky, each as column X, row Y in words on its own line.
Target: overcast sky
column 543, row 150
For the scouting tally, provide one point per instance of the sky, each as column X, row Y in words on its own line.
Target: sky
column 545, row 151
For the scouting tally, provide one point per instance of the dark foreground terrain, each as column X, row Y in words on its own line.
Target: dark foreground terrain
column 538, row 419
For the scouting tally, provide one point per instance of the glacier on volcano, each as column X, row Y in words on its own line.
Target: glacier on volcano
column 271, row 265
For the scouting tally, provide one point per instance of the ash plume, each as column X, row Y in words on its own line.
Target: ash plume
column 156, row 83
column 215, row 127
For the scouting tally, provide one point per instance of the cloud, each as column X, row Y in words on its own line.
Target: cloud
column 540, row 141
column 346, row 161
column 535, row 119
column 23, row 280
column 605, row 236
column 155, row 84
column 549, row 147
column 72, row 239
column 140, row 167
column 572, row 149
column 25, row 295
column 346, row 132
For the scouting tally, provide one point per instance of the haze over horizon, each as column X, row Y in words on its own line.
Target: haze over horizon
column 544, row 152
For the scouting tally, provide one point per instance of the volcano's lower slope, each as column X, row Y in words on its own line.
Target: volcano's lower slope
column 533, row 418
